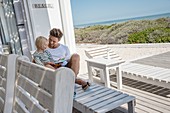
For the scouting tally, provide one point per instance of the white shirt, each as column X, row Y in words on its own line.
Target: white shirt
column 60, row 54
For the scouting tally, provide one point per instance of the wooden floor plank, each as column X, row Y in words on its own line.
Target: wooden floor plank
column 147, row 95
column 160, row 60
column 156, row 103
column 152, row 108
column 140, row 109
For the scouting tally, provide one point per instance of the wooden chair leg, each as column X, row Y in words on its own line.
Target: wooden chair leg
column 131, row 107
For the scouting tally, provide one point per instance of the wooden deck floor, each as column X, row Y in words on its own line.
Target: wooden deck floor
column 160, row 60
column 149, row 98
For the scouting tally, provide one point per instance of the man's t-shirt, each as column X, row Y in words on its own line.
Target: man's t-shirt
column 60, row 54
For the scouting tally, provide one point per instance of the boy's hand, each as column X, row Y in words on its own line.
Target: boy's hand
column 57, row 65
column 51, row 63
column 54, row 65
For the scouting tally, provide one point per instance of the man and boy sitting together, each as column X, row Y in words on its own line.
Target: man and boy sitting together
column 52, row 54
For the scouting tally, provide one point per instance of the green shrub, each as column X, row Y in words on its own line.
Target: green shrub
column 150, row 35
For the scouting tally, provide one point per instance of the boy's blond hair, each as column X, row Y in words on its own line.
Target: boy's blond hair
column 39, row 42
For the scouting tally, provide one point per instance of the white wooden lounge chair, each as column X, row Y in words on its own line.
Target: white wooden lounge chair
column 145, row 73
column 29, row 88
column 7, row 76
column 101, row 52
column 42, row 90
column 149, row 74
column 104, row 52
column 104, row 58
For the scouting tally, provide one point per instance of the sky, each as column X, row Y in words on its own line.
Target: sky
column 91, row 11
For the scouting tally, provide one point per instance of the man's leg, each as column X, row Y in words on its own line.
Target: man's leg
column 74, row 63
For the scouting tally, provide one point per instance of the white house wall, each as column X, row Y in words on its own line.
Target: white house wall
column 48, row 14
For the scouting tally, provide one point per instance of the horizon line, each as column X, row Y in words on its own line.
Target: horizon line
column 121, row 19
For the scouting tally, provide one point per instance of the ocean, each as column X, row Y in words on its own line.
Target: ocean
column 150, row 17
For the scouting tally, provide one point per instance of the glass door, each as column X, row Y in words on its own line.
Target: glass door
column 14, row 40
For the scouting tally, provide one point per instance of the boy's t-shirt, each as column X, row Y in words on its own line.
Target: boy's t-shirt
column 41, row 58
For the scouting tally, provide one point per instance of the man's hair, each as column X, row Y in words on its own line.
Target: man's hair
column 56, row 33
column 39, row 42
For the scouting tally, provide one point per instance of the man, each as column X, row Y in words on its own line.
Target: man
column 61, row 54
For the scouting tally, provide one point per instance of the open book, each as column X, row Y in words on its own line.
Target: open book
column 62, row 62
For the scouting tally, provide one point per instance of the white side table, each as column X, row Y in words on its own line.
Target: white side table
column 105, row 65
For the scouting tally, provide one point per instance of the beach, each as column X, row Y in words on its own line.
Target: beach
column 128, row 52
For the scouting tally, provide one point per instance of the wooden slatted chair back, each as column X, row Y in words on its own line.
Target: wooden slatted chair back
column 42, row 90
column 104, row 52
column 3, row 74
column 7, row 70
